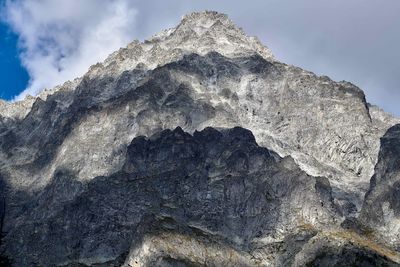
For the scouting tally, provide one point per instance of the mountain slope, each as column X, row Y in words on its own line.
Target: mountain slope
column 217, row 183
column 211, row 192
column 205, row 72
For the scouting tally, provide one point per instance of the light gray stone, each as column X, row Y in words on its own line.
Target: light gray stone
column 66, row 175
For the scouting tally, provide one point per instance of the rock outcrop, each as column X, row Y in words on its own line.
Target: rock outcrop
column 215, row 197
column 381, row 209
column 66, row 159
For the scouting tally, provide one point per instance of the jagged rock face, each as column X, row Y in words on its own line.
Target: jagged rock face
column 325, row 126
column 381, row 209
column 215, row 90
column 68, row 152
column 220, row 184
column 212, row 199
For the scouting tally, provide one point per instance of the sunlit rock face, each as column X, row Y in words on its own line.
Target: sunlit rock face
column 66, row 158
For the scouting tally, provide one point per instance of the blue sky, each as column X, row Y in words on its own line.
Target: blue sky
column 356, row 41
column 13, row 77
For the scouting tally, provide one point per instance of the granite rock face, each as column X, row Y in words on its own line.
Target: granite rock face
column 381, row 209
column 77, row 190
column 214, row 198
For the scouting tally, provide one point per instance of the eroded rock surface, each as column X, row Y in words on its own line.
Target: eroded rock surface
column 381, row 209
column 211, row 199
column 59, row 150
column 324, row 125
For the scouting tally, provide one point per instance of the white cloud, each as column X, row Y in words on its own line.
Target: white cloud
column 61, row 39
column 351, row 40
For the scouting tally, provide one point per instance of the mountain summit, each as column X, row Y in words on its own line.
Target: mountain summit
column 198, row 148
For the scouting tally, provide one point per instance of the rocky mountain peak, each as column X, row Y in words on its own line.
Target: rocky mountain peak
column 205, row 20
column 199, row 32
column 262, row 155
column 209, row 23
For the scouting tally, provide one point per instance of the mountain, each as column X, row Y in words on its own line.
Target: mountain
column 196, row 148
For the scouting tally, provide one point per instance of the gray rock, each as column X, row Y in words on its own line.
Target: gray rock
column 325, row 126
column 76, row 191
column 217, row 184
column 381, row 209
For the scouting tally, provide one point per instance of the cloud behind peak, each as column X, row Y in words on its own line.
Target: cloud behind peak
column 354, row 40
column 59, row 40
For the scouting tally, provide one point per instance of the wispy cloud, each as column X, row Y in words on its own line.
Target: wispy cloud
column 59, row 41
column 347, row 40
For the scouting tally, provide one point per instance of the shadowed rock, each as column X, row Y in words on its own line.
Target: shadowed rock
column 220, row 184
column 91, row 178
column 381, row 209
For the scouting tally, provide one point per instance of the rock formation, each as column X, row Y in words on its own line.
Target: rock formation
column 381, row 209
column 91, row 175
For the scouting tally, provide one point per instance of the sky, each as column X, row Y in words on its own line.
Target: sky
column 46, row 42
column 13, row 76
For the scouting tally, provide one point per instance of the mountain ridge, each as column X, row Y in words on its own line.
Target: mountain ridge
column 136, row 55
column 204, row 73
